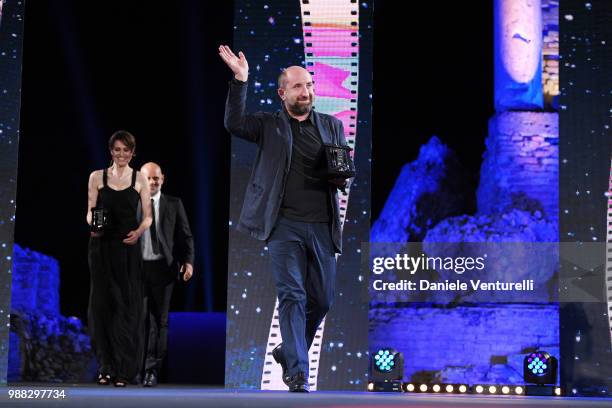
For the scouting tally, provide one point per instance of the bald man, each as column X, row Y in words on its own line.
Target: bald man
column 167, row 248
column 291, row 205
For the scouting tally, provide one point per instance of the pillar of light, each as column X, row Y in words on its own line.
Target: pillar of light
column 518, row 55
column 520, row 25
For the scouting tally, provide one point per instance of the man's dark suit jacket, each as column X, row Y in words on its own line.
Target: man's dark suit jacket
column 175, row 238
column 271, row 131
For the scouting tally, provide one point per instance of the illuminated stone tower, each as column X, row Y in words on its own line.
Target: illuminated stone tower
column 521, row 162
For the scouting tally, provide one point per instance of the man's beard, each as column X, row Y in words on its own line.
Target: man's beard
column 299, row 108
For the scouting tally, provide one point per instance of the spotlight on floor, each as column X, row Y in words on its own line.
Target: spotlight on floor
column 488, row 389
column 483, row 389
column 409, row 387
column 540, row 368
column 454, row 388
column 386, row 370
column 435, row 388
column 540, row 374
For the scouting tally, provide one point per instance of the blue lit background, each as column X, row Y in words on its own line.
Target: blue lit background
column 493, row 182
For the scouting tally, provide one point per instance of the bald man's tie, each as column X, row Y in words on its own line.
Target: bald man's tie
column 154, row 240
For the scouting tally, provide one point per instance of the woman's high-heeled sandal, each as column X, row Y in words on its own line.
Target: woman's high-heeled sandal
column 103, row 379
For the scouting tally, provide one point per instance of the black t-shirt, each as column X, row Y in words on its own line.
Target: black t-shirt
column 306, row 188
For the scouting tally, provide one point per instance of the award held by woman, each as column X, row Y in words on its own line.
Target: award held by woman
column 99, row 219
column 339, row 162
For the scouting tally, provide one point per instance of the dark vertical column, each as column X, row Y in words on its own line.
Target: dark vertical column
column 11, row 29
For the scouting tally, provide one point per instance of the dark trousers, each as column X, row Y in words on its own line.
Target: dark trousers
column 159, row 282
column 303, row 262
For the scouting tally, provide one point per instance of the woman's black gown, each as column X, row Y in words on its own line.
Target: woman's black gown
column 116, row 292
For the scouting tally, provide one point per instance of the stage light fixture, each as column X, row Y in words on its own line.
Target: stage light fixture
column 389, row 361
column 540, row 368
column 483, row 389
column 447, row 388
column 486, row 389
column 387, row 370
column 557, row 391
column 370, row 386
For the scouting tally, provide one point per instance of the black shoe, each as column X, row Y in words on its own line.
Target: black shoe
column 277, row 353
column 120, row 383
column 150, row 379
column 299, row 383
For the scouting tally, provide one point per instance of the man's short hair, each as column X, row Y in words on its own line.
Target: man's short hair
column 124, row 137
column 282, row 78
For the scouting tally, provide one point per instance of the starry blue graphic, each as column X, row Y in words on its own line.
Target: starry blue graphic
column 585, row 149
column 11, row 29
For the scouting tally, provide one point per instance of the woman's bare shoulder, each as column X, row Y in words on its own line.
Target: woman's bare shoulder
column 95, row 177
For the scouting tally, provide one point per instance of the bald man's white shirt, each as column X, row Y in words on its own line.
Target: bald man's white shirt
column 147, row 244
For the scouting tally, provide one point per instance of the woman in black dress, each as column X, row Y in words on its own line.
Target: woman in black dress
column 115, row 262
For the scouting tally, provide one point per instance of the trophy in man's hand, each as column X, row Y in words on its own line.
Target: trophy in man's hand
column 339, row 162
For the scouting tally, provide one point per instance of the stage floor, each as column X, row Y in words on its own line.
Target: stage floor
column 91, row 396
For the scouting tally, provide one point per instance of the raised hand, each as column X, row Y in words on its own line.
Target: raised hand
column 238, row 64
